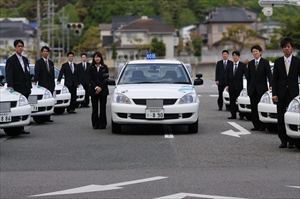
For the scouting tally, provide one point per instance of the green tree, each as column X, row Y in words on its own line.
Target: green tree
column 158, row 47
column 239, row 36
column 197, row 44
column 114, row 51
column 274, row 44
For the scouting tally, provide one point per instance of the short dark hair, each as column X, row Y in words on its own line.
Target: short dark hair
column 286, row 41
column 18, row 41
column 70, row 53
column 225, row 51
column 45, row 47
column 257, row 47
column 84, row 54
column 236, row 53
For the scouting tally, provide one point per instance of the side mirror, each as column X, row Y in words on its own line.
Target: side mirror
column 1, row 78
column 199, row 75
column 111, row 82
column 198, row 81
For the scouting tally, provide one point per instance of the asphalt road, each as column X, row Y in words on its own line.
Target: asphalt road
column 68, row 159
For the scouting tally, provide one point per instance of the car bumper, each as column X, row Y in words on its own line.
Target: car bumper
column 244, row 104
column 267, row 112
column 80, row 95
column 292, row 124
column 43, row 107
column 179, row 114
column 62, row 100
column 20, row 117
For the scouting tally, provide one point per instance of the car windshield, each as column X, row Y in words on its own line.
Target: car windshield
column 154, row 73
column 2, row 72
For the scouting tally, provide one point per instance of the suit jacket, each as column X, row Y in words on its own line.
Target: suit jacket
column 257, row 78
column 71, row 79
column 235, row 82
column 221, row 72
column 96, row 79
column 283, row 82
column 42, row 76
column 83, row 74
column 16, row 77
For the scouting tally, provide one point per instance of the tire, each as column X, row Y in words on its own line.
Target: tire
column 297, row 143
column 116, row 128
column 271, row 127
column 248, row 116
column 77, row 104
column 59, row 111
column 14, row 131
column 193, row 128
column 39, row 119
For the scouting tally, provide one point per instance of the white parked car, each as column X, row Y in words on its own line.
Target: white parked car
column 292, row 120
column 40, row 99
column 14, row 110
column 155, row 92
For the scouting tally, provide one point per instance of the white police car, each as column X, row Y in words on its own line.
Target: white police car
column 14, row 110
column 292, row 120
column 40, row 100
column 155, row 92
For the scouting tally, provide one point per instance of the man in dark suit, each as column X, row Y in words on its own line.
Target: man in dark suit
column 234, row 82
column 258, row 73
column 84, row 78
column 70, row 71
column 44, row 73
column 285, row 87
column 18, row 73
column 220, row 76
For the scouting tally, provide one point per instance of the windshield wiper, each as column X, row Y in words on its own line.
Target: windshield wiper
column 181, row 83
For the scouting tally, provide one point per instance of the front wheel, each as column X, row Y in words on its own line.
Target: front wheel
column 39, row 119
column 115, row 128
column 193, row 128
column 14, row 131
column 59, row 111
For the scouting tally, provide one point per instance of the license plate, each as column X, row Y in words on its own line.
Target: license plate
column 5, row 117
column 154, row 113
column 34, row 108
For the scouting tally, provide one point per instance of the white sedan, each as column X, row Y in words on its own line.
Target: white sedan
column 14, row 111
column 292, row 120
column 155, row 92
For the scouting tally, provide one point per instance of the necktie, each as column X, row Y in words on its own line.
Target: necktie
column 287, row 66
column 46, row 61
column 71, row 67
column 225, row 65
column 256, row 64
column 22, row 63
column 84, row 66
column 234, row 68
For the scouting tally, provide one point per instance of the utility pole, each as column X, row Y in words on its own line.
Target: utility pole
column 38, row 28
column 63, row 19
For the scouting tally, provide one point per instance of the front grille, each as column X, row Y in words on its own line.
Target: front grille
column 187, row 115
column 270, row 115
column 58, row 92
column 122, row 115
column 293, row 127
column 39, row 97
column 13, row 104
column 165, row 101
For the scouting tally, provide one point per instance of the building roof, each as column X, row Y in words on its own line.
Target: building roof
column 147, row 24
column 13, row 33
column 229, row 14
column 105, row 26
column 6, row 23
column 118, row 21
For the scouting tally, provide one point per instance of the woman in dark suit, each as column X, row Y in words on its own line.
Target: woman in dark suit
column 98, row 91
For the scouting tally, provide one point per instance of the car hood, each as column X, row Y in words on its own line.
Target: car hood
column 8, row 95
column 140, row 91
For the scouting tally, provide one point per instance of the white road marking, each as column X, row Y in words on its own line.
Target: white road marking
column 169, row 136
column 183, row 195
column 236, row 134
column 297, row 187
column 95, row 188
column 214, row 95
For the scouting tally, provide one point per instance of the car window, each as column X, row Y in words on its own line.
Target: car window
column 154, row 73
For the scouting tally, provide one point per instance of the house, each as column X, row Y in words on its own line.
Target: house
column 219, row 19
column 132, row 33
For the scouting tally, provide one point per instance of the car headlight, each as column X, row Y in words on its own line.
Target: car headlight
column 23, row 101
column 64, row 90
column 243, row 93
column 47, row 94
column 120, row 98
column 188, row 98
column 80, row 87
column 265, row 98
column 294, row 106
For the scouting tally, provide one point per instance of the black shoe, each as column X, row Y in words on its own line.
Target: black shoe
column 219, row 109
column 25, row 132
column 232, row 118
column 49, row 120
column 95, row 127
column 262, row 129
column 72, row 112
column 86, row 106
column 283, row 145
column 291, row 145
column 254, row 129
column 241, row 118
column 102, row 127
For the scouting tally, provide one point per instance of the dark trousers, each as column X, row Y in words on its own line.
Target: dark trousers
column 233, row 95
column 99, row 119
column 254, row 100
column 220, row 98
column 281, row 109
column 73, row 92
column 86, row 101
